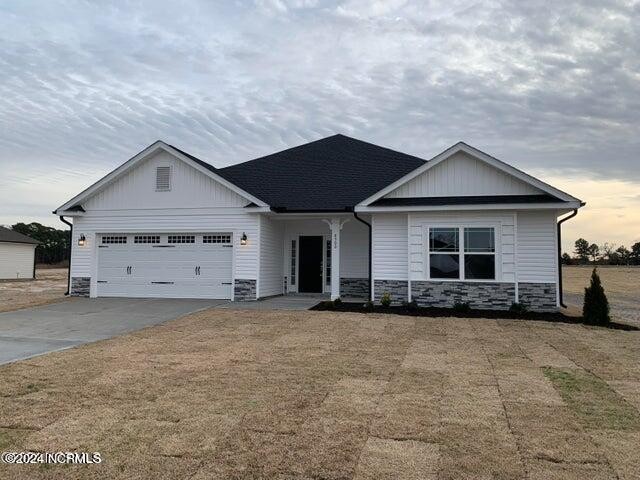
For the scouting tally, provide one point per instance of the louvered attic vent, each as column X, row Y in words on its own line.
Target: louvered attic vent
column 163, row 179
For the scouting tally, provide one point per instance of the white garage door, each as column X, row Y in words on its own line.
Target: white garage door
column 174, row 265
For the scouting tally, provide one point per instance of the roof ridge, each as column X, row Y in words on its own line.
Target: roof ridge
column 335, row 135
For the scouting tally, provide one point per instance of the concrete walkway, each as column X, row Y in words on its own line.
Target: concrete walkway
column 283, row 302
column 34, row 331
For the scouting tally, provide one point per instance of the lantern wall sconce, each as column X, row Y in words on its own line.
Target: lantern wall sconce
column 243, row 239
column 81, row 240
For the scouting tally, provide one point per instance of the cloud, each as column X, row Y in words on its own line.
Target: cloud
column 84, row 86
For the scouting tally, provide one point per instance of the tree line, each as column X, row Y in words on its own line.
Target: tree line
column 605, row 254
column 54, row 243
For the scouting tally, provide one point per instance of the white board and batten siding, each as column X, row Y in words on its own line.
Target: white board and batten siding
column 131, row 204
column 189, row 188
column 16, row 260
column 463, row 175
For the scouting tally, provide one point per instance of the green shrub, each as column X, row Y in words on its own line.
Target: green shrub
column 518, row 308
column 462, row 307
column 595, row 310
column 337, row 302
column 385, row 300
column 368, row 306
column 328, row 305
column 412, row 306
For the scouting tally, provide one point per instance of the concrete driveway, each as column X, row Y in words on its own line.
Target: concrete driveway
column 34, row 331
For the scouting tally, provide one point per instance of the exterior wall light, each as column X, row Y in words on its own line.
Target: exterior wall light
column 82, row 240
column 243, row 239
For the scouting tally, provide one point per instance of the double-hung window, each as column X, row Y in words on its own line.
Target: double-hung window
column 479, row 254
column 467, row 253
column 444, row 252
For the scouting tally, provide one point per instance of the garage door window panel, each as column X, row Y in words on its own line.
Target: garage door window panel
column 182, row 239
column 113, row 239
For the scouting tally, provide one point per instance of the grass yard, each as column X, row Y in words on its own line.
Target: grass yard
column 322, row 395
column 621, row 284
column 49, row 286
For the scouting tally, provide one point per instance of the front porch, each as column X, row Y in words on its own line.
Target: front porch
column 322, row 256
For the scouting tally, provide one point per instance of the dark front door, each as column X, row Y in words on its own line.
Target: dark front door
column 310, row 269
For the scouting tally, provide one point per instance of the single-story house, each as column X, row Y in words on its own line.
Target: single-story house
column 17, row 255
column 337, row 216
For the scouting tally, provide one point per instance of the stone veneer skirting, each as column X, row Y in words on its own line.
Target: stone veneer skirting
column 80, row 286
column 398, row 289
column 244, row 289
column 354, row 287
column 479, row 295
column 539, row 297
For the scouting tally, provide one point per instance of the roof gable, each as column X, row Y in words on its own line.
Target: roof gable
column 188, row 188
column 463, row 175
column 151, row 150
column 501, row 178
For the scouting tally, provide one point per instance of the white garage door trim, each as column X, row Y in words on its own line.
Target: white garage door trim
column 165, row 265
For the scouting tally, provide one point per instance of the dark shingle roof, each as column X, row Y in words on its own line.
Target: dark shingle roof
column 331, row 174
column 463, row 200
column 11, row 236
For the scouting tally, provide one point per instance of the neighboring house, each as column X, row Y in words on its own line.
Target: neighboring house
column 17, row 255
column 324, row 217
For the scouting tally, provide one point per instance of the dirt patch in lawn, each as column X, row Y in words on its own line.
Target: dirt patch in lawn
column 50, row 286
column 309, row 395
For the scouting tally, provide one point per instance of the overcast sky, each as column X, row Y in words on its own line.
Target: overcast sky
column 550, row 87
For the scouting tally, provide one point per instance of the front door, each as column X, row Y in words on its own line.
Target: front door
column 310, row 269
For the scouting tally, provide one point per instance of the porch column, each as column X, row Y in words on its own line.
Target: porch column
column 336, row 226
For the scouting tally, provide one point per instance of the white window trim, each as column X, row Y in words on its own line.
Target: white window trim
column 497, row 234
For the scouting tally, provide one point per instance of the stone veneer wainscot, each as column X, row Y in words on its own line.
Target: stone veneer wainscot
column 80, row 286
column 244, row 289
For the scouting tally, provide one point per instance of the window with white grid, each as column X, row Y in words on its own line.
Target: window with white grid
column 113, row 239
column 216, row 239
column 146, row 239
column 182, row 239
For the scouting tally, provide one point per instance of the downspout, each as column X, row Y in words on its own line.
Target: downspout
column 559, row 229
column 355, row 214
column 34, row 262
column 70, row 242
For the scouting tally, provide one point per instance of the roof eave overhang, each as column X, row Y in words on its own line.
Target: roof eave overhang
column 35, row 244
column 491, row 206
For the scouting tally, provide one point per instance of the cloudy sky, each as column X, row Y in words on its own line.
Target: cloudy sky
column 550, row 87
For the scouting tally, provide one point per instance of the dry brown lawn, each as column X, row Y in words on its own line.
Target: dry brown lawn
column 621, row 284
column 49, row 287
column 321, row 395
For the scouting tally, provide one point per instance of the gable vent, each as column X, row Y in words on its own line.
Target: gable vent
column 163, row 179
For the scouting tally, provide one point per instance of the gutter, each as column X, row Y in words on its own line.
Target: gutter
column 355, row 214
column 70, row 242
column 559, row 230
